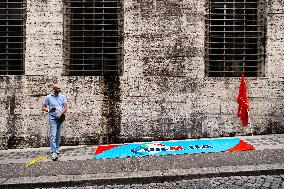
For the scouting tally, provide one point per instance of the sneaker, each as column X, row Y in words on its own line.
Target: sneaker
column 54, row 156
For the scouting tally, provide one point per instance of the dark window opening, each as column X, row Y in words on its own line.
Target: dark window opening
column 94, row 37
column 12, row 39
column 234, row 38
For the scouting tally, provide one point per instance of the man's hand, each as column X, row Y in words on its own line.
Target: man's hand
column 58, row 115
column 45, row 108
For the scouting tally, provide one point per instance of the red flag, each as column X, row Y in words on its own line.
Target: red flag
column 243, row 110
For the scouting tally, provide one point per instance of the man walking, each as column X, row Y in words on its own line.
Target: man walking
column 55, row 105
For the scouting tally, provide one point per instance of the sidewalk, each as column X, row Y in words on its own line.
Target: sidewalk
column 76, row 165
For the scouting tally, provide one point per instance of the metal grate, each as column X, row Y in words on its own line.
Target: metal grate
column 12, row 22
column 234, row 39
column 94, row 37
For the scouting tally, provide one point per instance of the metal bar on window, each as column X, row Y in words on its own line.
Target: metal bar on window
column 232, row 38
column 94, row 37
column 12, row 38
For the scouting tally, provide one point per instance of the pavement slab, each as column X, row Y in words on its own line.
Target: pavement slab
column 91, row 166
column 84, row 152
column 76, row 165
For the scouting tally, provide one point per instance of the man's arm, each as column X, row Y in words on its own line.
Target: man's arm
column 65, row 109
column 45, row 108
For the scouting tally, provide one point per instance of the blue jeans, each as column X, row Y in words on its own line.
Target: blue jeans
column 55, row 134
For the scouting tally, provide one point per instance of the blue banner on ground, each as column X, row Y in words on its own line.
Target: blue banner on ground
column 166, row 147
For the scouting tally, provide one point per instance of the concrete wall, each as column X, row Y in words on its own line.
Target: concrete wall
column 162, row 93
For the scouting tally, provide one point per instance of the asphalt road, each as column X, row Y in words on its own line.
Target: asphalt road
column 233, row 182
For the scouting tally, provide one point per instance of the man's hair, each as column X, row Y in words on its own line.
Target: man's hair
column 56, row 86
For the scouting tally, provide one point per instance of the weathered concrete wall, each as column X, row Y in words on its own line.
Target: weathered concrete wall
column 275, row 38
column 24, row 124
column 163, row 92
column 164, row 62
column 44, row 35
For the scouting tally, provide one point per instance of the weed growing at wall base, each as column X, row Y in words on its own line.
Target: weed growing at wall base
column 90, row 149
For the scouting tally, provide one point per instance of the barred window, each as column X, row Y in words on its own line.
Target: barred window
column 235, row 38
column 12, row 39
column 94, row 37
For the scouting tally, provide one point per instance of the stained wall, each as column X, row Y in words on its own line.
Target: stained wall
column 162, row 93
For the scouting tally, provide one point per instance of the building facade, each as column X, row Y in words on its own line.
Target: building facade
column 140, row 70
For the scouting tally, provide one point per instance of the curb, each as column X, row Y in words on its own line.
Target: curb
column 141, row 176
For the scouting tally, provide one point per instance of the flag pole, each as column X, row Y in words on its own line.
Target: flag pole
column 249, row 116
column 249, row 122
